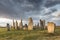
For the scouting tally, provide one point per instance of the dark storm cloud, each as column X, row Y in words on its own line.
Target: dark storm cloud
column 17, row 8
column 25, row 8
column 37, row 9
column 50, row 3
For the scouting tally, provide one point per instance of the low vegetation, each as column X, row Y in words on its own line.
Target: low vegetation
column 29, row 35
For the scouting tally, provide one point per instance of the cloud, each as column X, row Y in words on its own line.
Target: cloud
column 37, row 9
column 50, row 3
column 56, row 14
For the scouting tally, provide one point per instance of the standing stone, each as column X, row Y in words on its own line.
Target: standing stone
column 16, row 27
column 41, row 24
column 25, row 27
column 13, row 24
column 44, row 24
column 30, row 24
column 21, row 25
column 38, row 25
column 51, row 27
column 34, row 27
column 8, row 27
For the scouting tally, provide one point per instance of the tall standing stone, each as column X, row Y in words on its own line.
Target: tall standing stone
column 8, row 27
column 13, row 24
column 44, row 24
column 41, row 24
column 51, row 27
column 21, row 24
column 30, row 24
column 16, row 27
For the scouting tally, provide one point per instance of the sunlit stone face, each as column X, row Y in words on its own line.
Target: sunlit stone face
column 51, row 27
column 30, row 24
column 21, row 24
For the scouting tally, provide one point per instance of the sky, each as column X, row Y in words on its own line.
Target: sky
column 48, row 10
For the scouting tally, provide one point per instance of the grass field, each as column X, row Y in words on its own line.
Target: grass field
column 28, row 35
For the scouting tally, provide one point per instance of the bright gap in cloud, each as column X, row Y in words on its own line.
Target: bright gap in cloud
column 4, row 21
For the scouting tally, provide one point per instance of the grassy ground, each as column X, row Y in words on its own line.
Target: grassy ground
column 28, row 35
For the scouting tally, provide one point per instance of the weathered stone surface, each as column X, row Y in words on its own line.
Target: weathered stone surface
column 42, row 24
column 30, row 24
column 16, row 27
column 34, row 27
column 13, row 24
column 8, row 27
column 25, row 27
column 51, row 27
column 37, row 25
column 21, row 24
